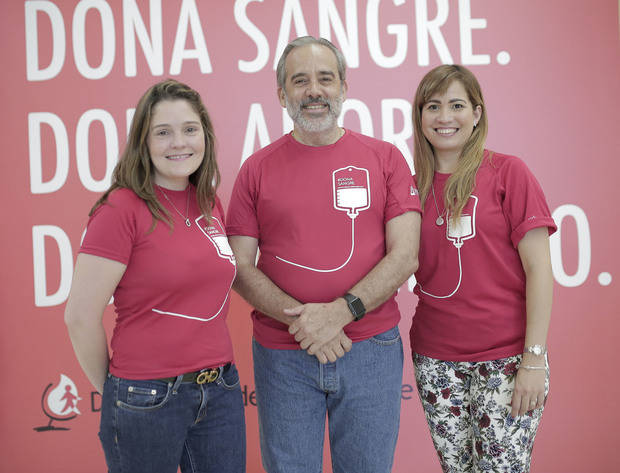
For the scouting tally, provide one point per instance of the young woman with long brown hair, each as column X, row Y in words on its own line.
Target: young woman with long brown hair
column 156, row 242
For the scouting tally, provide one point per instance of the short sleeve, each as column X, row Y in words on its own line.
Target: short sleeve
column 111, row 230
column 241, row 218
column 524, row 202
column 402, row 192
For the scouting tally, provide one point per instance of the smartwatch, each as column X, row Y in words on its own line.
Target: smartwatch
column 356, row 306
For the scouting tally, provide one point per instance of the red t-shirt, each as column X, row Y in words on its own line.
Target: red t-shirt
column 319, row 215
column 471, row 282
column 173, row 299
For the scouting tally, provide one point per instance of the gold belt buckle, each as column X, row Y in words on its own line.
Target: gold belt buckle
column 207, row 376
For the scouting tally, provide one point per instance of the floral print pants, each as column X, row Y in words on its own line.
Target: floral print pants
column 467, row 407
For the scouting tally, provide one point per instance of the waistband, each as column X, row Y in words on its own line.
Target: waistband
column 207, row 375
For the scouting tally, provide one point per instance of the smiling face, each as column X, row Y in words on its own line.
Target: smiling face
column 313, row 92
column 176, row 143
column 448, row 120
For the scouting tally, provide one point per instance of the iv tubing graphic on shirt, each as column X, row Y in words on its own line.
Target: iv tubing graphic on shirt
column 457, row 232
column 351, row 192
column 217, row 237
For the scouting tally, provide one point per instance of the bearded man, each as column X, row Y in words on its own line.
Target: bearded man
column 336, row 217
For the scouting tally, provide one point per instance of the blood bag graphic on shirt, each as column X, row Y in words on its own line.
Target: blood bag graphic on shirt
column 458, row 231
column 465, row 227
column 215, row 232
column 351, row 190
column 351, row 194
column 217, row 236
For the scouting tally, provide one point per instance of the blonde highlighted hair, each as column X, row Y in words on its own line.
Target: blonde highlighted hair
column 461, row 183
column 135, row 170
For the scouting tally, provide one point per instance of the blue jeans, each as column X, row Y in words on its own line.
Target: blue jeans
column 155, row 427
column 360, row 393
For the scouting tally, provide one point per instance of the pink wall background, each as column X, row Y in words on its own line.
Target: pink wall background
column 554, row 103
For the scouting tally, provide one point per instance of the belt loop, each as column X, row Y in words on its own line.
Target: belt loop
column 219, row 378
column 177, row 383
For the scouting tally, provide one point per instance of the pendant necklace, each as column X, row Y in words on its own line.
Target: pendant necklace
column 187, row 222
column 440, row 219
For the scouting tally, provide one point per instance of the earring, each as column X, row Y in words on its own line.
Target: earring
column 475, row 125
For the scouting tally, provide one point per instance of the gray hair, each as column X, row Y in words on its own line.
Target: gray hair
column 304, row 41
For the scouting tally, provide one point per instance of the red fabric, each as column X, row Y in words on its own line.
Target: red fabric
column 288, row 197
column 485, row 318
column 182, row 272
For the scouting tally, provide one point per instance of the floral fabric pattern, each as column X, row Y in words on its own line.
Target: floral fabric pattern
column 467, row 407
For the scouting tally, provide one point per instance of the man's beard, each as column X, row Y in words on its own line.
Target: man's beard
column 318, row 124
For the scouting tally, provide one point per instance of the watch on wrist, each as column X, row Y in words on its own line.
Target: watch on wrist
column 356, row 306
column 537, row 350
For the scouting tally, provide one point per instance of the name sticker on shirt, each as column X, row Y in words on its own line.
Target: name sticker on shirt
column 216, row 234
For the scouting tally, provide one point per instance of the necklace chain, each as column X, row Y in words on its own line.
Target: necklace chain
column 186, row 218
column 440, row 219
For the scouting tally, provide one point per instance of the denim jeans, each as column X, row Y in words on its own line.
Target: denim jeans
column 360, row 393
column 155, row 427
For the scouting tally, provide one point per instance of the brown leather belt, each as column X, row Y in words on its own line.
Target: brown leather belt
column 208, row 375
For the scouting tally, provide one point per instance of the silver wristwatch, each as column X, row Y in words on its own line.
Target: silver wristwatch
column 537, row 350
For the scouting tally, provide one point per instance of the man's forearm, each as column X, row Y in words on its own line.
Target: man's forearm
column 318, row 323
column 385, row 278
column 260, row 292
column 399, row 262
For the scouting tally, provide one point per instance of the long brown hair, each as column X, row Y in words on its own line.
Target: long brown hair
column 134, row 169
column 461, row 183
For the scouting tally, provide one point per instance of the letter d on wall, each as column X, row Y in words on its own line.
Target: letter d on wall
column 34, row 71
column 35, row 121
column 41, row 297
